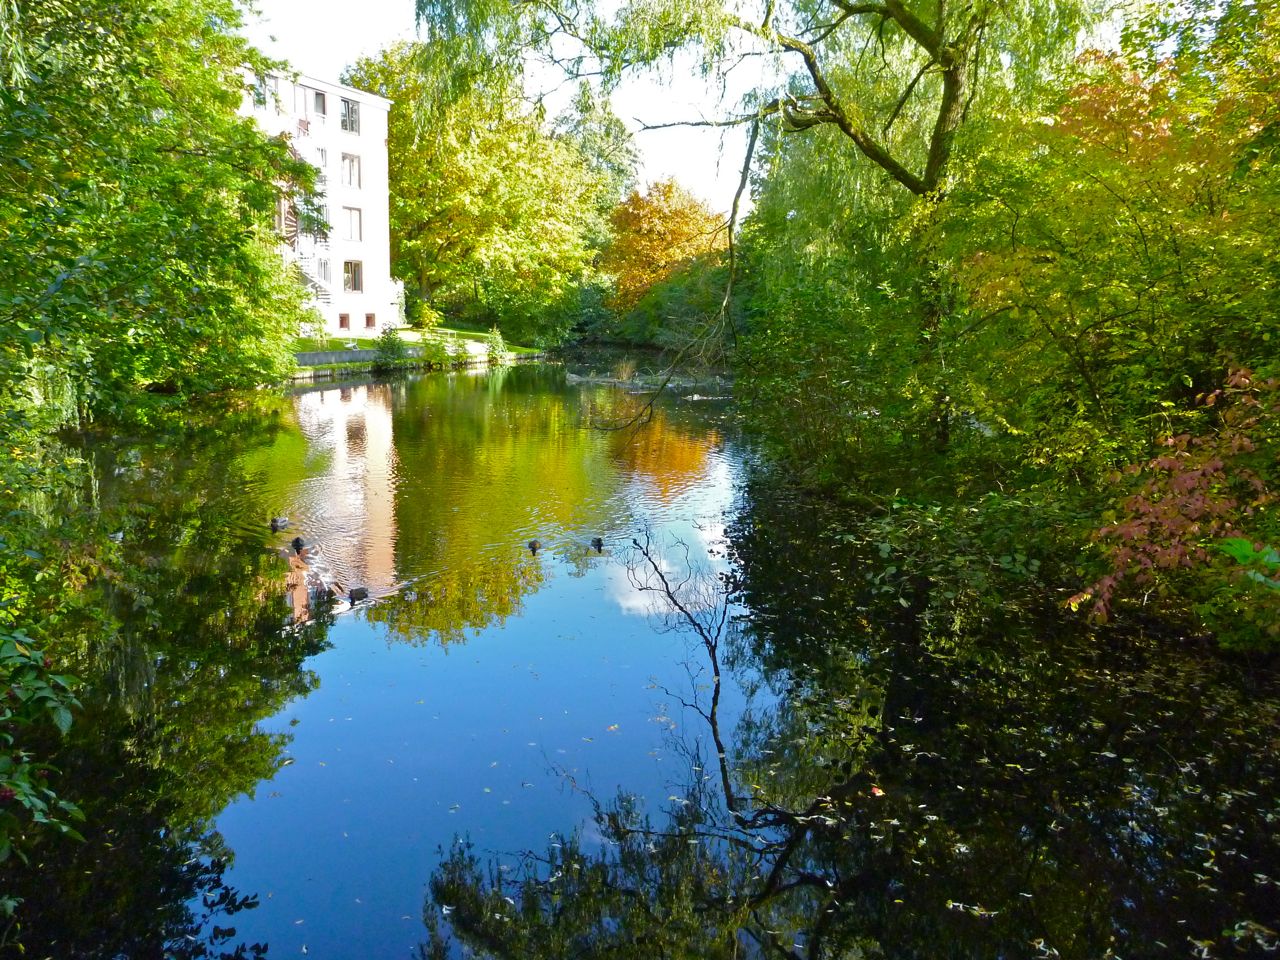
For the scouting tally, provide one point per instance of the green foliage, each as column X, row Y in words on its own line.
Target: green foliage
column 1118, row 262
column 391, row 350
column 1262, row 562
column 1101, row 263
column 139, row 208
column 836, row 360
column 495, row 215
column 438, row 351
column 139, row 261
column 675, row 310
column 1117, row 272
column 419, row 314
column 32, row 696
column 1185, row 514
column 495, row 347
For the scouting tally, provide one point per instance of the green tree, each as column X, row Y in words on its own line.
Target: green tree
column 495, row 217
column 1117, row 259
column 138, row 206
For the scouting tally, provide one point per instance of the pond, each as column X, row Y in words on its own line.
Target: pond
column 714, row 731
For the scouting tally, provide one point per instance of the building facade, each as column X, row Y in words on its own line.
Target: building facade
column 343, row 133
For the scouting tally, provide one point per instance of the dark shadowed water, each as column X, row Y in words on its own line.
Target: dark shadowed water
column 720, row 733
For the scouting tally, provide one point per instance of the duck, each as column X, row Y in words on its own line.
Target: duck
column 279, row 523
column 358, row 593
column 298, row 543
column 534, row 547
column 597, row 544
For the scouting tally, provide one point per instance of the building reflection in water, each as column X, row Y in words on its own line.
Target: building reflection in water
column 345, row 512
column 478, row 470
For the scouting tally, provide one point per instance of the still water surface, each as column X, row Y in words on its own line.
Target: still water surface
column 488, row 692
column 752, row 735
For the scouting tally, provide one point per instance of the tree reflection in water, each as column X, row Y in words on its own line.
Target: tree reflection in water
column 941, row 777
column 184, row 649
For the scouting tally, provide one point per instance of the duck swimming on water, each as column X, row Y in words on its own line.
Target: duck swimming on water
column 597, row 544
column 534, row 547
column 279, row 523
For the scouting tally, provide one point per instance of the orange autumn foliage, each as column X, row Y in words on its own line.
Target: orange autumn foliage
column 654, row 234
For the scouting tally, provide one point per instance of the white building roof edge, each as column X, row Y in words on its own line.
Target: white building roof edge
column 330, row 87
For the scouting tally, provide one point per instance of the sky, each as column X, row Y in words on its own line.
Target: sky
column 321, row 37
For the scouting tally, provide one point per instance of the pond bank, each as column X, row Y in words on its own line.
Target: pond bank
column 322, row 364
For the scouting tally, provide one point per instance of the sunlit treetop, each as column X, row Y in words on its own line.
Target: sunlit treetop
column 897, row 79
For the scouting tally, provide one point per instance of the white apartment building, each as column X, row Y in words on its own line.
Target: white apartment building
column 343, row 132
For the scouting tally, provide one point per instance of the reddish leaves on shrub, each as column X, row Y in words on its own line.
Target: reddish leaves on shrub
column 1199, row 489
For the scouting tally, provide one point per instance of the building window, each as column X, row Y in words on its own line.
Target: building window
column 352, row 276
column 370, row 321
column 350, row 170
column 322, row 157
column 344, row 321
column 321, row 106
column 350, row 116
column 266, row 92
column 322, row 269
column 351, row 224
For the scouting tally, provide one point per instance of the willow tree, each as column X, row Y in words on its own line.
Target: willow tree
column 887, row 86
column 897, row 80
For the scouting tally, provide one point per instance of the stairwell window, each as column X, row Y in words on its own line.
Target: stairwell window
column 350, row 170
column 344, row 321
column 322, row 268
column 351, row 224
column 353, row 276
column 350, row 116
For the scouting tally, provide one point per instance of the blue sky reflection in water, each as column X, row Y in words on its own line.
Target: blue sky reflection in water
column 543, row 681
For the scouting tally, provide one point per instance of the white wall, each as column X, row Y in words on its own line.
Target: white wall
column 291, row 109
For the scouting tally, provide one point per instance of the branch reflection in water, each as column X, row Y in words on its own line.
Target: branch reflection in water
column 697, row 881
column 937, row 774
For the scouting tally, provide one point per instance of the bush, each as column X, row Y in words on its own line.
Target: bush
column 435, row 352
column 496, row 347
column 391, row 350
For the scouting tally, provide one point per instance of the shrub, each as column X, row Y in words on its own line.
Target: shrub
column 496, row 347
column 391, row 350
